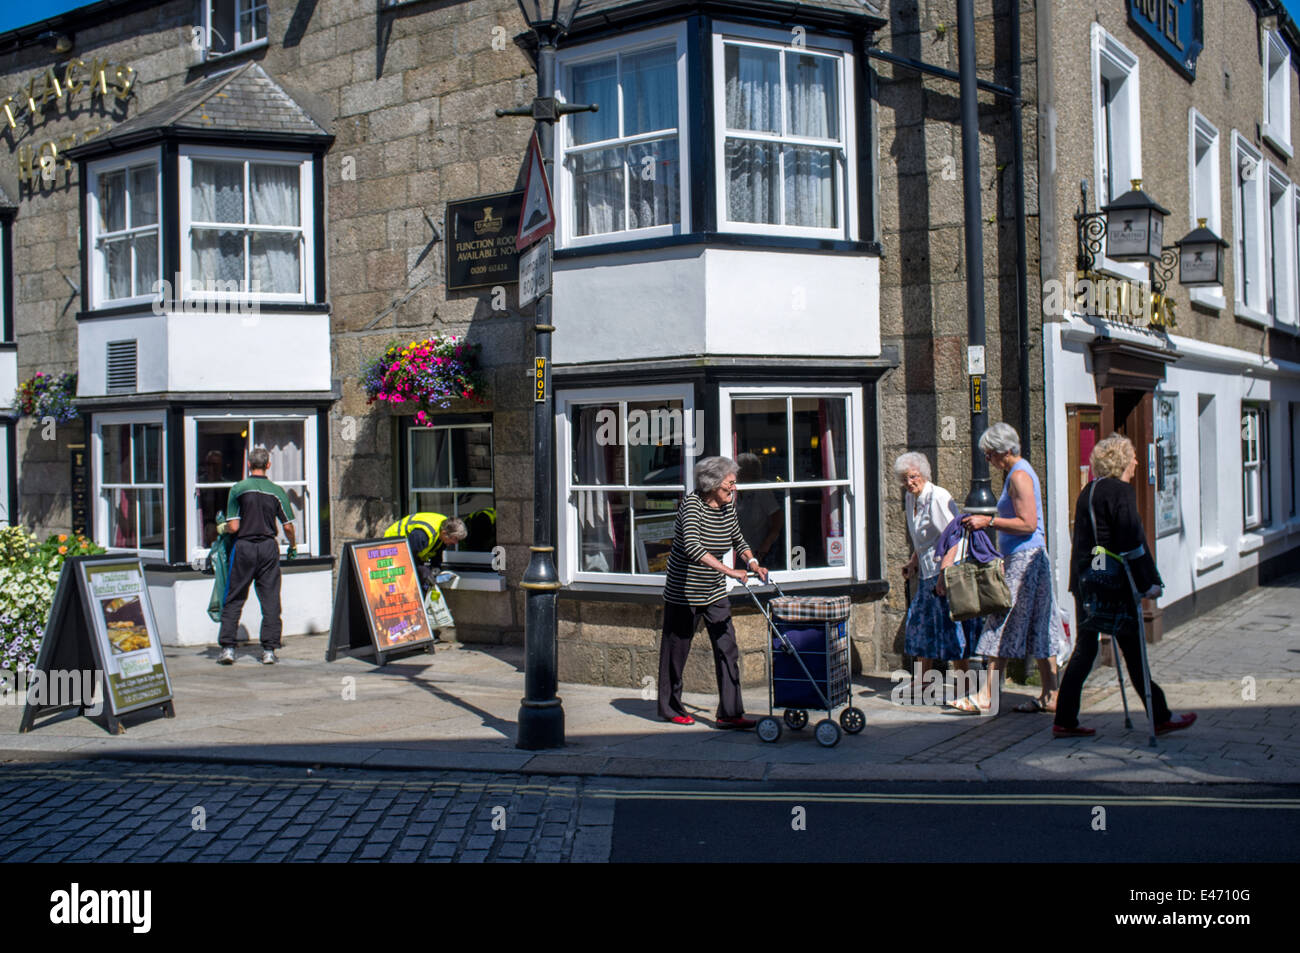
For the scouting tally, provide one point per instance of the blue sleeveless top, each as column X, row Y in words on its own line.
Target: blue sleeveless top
column 1010, row 543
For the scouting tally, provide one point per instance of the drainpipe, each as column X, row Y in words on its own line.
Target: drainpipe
column 1022, row 258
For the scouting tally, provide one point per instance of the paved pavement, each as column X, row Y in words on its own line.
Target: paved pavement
column 1238, row 667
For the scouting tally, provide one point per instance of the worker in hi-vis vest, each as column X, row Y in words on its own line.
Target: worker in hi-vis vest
column 430, row 534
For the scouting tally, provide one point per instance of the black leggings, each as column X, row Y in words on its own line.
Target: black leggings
column 1081, row 662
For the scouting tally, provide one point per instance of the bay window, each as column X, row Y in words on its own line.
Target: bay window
column 784, row 162
column 623, row 456
column 798, row 478
column 622, row 165
column 123, row 217
column 129, row 455
column 219, row 446
column 246, row 225
column 449, row 471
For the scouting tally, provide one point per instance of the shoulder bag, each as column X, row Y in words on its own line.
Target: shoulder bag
column 1105, row 595
column 974, row 588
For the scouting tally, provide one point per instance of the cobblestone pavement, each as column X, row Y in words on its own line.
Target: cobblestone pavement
column 121, row 811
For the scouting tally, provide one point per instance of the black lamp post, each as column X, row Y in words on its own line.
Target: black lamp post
column 541, row 714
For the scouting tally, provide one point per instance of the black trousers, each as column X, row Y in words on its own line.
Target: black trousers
column 680, row 623
column 1081, row 662
column 254, row 562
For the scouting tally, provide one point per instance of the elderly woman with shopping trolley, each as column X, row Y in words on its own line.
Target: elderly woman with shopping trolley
column 695, row 592
column 1110, row 565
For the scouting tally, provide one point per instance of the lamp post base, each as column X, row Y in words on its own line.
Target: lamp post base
column 980, row 499
column 541, row 725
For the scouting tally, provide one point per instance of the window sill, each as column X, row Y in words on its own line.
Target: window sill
column 211, row 57
column 721, row 240
column 232, row 309
column 1251, row 542
column 475, row 581
column 1213, row 299
column 1249, row 315
column 1278, row 139
column 1210, row 557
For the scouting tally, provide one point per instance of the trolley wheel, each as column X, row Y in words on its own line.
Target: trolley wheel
column 769, row 729
column 796, row 718
column 827, row 733
column 852, row 720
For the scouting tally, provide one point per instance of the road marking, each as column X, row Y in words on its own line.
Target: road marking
column 915, row 800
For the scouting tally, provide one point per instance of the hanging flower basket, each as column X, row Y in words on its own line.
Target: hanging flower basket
column 45, row 395
column 430, row 373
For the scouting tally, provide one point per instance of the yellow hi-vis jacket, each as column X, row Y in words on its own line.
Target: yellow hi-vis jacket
column 429, row 522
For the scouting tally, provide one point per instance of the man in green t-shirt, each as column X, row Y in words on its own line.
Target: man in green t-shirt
column 253, row 508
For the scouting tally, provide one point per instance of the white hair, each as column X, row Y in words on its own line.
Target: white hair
column 912, row 461
column 712, row 471
column 1001, row 438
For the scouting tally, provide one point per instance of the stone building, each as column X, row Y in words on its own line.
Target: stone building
column 760, row 252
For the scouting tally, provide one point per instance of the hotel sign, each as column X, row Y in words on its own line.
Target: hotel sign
column 481, row 241
column 1174, row 27
column 60, row 92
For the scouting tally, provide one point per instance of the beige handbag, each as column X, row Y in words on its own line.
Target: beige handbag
column 975, row 589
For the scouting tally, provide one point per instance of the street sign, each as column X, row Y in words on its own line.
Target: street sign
column 975, row 359
column 535, row 272
column 539, row 393
column 977, row 394
column 538, row 216
column 479, row 246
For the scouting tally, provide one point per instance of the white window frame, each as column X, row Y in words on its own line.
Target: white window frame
column 1248, row 174
column 1255, row 468
column 1276, row 62
column 1113, row 59
column 855, row 567
column 1204, row 197
column 1280, row 252
column 308, row 536
column 566, row 59
column 94, row 255
column 463, row 556
column 238, row 43
column 100, row 521
column 568, row 526
column 846, row 178
column 306, row 219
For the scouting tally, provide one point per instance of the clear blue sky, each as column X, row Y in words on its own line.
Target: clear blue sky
column 16, row 13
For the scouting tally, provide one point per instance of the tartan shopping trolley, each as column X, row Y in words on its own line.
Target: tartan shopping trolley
column 808, row 665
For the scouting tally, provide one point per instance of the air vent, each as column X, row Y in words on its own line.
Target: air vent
column 121, row 367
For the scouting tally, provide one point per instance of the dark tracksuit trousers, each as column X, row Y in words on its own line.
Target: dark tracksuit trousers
column 1080, row 666
column 680, row 623
column 256, row 562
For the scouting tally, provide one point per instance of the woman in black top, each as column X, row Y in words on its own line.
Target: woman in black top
column 1111, row 500
column 696, row 589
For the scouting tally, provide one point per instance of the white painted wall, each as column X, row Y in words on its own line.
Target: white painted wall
column 180, row 604
column 211, row 352
column 681, row 302
column 8, row 378
column 1229, row 375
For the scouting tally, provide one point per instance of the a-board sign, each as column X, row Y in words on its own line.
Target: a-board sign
column 102, row 623
column 481, row 241
column 378, row 602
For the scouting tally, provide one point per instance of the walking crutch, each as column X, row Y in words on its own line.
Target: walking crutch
column 1119, row 672
column 1142, row 644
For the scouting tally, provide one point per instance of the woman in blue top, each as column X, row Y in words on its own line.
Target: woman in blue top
column 1032, row 627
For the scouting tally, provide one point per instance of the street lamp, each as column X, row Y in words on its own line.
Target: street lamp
column 1200, row 257
column 541, row 714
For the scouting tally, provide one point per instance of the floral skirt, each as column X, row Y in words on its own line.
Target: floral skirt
column 1032, row 628
column 930, row 632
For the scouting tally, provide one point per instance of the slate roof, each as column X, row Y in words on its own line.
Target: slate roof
column 243, row 102
column 871, row 9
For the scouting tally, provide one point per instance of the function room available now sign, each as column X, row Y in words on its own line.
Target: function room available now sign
column 481, row 249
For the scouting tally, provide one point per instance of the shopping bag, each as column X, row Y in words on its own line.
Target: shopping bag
column 435, row 608
column 975, row 589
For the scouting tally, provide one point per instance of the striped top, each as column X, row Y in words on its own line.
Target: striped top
column 700, row 529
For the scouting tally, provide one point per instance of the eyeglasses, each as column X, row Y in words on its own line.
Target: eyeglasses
column 729, row 486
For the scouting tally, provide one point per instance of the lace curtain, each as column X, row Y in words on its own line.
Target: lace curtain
column 217, row 254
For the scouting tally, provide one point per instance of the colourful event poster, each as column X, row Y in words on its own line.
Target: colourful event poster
column 392, row 593
column 117, row 600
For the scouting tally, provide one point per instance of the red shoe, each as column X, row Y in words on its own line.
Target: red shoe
column 743, row 724
column 681, row 720
column 1078, row 731
column 1176, row 723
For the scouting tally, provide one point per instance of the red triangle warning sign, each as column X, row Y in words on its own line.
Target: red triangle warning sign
column 537, row 217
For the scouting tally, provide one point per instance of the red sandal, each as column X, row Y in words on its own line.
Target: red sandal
column 1078, row 731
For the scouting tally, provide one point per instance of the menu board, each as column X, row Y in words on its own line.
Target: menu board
column 1168, row 512
column 390, row 591
column 122, row 621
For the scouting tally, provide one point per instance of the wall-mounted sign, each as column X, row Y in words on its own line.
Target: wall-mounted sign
column 481, row 241
column 1174, row 27
column 539, row 391
column 1169, row 518
column 976, row 394
column 80, row 489
column 60, row 92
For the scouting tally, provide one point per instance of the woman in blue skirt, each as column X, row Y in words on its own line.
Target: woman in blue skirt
column 931, row 634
